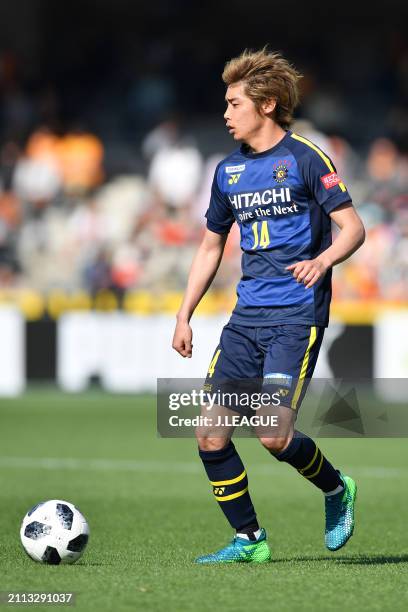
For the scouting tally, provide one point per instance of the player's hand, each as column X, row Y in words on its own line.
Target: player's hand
column 308, row 271
column 182, row 340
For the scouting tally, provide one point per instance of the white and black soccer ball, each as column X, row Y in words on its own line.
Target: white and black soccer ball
column 54, row 532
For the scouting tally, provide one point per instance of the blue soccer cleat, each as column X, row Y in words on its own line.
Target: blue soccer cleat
column 340, row 515
column 240, row 550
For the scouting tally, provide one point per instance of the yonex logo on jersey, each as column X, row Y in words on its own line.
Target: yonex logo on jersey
column 234, row 179
column 260, row 198
column 234, row 169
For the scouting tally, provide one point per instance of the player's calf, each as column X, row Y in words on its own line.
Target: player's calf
column 307, row 458
column 229, row 481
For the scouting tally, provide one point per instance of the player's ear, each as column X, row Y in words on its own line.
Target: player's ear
column 269, row 106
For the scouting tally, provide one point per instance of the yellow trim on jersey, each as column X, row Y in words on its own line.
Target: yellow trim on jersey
column 232, row 496
column 228, row 482
column 303, row 370
column 309, row 465
column 319, row 152
column 318, row 469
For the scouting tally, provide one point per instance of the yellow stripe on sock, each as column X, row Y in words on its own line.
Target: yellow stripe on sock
column 303, row 370
column 319, row 152
column 219, row 483
column 318, row 469
column 309, row 465
column 232, row 496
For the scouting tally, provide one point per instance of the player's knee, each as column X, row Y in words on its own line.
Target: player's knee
column 275, row 444
column 207, row 443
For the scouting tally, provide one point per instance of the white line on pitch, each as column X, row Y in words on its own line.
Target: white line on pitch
column 186, row 467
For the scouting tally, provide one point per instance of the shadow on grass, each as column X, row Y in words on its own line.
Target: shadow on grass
column 352, row 559
column 92, row 564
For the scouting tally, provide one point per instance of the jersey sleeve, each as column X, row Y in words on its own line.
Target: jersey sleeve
column 325, row 186
column 219, row 214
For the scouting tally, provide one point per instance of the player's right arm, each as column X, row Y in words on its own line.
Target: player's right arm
column 203, row 270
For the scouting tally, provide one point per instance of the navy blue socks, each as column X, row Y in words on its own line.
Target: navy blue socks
column 303, row 454
column 228, row 478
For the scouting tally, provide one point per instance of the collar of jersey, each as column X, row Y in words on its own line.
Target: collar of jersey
column 247, row 153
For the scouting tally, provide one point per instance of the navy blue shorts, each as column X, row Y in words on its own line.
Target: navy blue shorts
column 269, row 360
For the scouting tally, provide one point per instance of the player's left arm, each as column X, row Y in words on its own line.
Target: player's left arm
column 348, row 240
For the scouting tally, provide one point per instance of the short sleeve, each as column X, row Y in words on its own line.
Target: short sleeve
column 325, row 186
column 219, row 214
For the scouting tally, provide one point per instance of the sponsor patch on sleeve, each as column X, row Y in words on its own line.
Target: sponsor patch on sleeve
column 330, row 180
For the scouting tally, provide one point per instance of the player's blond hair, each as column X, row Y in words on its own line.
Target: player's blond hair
column 266, row 76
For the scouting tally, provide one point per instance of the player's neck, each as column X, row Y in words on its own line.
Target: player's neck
column 266, row 138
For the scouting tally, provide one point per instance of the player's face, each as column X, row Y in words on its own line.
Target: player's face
column 242, row 118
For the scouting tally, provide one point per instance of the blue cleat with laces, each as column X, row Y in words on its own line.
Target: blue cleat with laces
column 240, row 550
column 340, row 515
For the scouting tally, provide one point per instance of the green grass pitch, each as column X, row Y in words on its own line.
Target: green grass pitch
column 150, row 510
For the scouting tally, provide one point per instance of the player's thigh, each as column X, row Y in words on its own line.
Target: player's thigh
column 274, row 426
column 235, row 369
column 237, row 355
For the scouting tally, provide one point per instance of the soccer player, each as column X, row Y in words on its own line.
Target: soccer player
column 283, row 191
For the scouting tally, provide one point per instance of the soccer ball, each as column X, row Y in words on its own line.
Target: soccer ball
column 54, row 532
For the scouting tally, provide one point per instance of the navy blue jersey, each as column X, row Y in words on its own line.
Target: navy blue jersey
column 281, row 199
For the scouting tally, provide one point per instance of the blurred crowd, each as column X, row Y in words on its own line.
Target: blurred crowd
column 111, row 129
column 64, row 223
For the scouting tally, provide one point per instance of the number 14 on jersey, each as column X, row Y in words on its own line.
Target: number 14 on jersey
column 261, row 234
